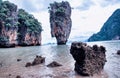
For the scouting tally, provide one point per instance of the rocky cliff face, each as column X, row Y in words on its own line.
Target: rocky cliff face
column 110, row 29
column 8, row 24
column 18, row 27
column 89, row 60
column 29, row 29
column 60, row 21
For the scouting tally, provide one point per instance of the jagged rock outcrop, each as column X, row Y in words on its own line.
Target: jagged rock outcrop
column 18, row 76
column 89, row 60
column 29, row 29
column 18, row 28
column 38, row 60
column 110, row 29
column 8, row 24
column 118, row 52
column 60, row 21
column 54, row 64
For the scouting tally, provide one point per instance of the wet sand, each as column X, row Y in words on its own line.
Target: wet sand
column 10, row 67
column 42, row 71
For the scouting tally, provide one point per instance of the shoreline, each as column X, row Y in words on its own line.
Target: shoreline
column 11, row 68
column 42, row 71
column 55, row 44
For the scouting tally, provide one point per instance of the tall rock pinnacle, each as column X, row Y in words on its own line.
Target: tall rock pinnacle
column 60, row 21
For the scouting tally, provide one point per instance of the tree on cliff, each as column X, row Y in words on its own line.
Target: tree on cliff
column 29, row 21
column 110, row 29
column 6, row 15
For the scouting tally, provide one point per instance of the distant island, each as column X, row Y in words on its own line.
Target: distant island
column 110, row 29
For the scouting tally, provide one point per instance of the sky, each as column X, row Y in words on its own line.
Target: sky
column 87, row 15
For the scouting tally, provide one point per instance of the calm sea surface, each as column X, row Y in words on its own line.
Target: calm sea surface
column 10, row 68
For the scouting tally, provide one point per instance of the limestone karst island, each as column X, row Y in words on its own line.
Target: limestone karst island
column 59, row 39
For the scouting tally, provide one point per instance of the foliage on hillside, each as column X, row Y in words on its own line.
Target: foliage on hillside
column 29, row 21
column 6, row 13
column 110, row 29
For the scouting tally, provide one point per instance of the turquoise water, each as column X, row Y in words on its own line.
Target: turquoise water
column 59, row 53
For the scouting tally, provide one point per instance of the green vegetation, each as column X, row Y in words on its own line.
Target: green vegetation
column 5, row 13
column 3, row 39
column 60, row 9
column 10, row 20
column 29, row 21
column 18, row 20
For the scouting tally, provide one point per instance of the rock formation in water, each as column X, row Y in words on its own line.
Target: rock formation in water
column 89, row 60
column 60, row 21
column 8, row 24
column 118, row 52
column 38, row 60
column 29, row 29
column 54, row 64
column 18, row 76
column 28, row 64
column 19, row 60
column 110, row 29
column 18, row 27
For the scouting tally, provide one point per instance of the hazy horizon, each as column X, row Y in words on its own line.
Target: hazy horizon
column 87, row 15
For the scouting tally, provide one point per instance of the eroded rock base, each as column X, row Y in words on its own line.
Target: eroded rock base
column 89, row 59
column 38, row 60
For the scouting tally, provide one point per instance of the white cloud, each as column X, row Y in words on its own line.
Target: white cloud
column 105, row 3
column 75, row 3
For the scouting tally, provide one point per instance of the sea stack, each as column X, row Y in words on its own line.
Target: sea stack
column 8, row 24
column 18, row 27
column 89, row 60
column 60, row 21
column 29, row 29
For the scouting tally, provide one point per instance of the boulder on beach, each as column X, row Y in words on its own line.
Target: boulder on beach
column 118, row 52
column 89, row 60
column 19, row 60
column 1, row 64
column 60, row 21
column 28, row 64
column 18, row 76
column 36, row 61
column 54, row 64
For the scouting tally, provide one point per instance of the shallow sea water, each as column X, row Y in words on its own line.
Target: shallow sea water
column 10, row 68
